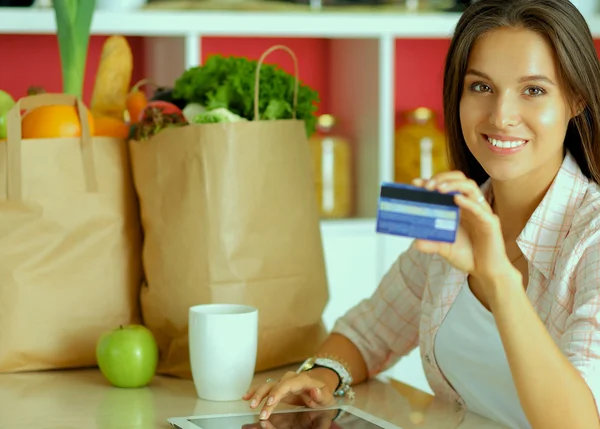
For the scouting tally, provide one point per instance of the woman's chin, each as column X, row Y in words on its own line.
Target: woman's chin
column 502, row 172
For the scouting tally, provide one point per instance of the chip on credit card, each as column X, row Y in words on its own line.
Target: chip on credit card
column 410, row 211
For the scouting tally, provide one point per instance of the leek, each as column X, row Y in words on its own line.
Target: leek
column 73, row 23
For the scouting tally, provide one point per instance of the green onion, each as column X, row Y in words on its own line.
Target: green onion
column 73, row 23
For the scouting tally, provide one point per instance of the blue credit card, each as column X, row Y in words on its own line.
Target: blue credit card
column 410, row 211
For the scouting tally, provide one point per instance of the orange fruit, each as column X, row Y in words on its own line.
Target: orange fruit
column 107, row 126
column 53, row 122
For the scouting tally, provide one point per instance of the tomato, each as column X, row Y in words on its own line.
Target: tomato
column 165, row 106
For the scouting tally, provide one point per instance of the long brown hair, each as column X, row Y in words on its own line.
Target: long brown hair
column 579, row 69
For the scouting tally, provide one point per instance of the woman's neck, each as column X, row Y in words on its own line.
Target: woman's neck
column 516, row 200
column 514, row 206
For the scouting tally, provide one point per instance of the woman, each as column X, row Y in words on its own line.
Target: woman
column 508, row 317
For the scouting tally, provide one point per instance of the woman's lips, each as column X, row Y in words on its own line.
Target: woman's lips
column 504, row 145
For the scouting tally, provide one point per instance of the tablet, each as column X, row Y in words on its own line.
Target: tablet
column 340, row 417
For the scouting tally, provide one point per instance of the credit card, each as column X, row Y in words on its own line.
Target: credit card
column 410, row 211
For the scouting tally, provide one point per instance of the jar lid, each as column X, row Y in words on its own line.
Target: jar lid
column 325, row 122
column 420, row 115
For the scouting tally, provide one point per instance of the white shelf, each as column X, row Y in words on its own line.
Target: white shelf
column 345, row 227
column 327, row 24
column 240, row 23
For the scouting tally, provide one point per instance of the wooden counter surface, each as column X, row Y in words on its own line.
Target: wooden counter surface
column 82, row 399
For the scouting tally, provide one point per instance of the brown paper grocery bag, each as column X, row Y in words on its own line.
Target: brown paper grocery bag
column 229, row 216
column 70, row 243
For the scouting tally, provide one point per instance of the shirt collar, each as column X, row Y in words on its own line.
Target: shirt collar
column 550, row 222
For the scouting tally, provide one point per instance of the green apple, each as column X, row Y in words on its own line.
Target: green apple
column 6, row 103
column 3, row 131
column 127, row 356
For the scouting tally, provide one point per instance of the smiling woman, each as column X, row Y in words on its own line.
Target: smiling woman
column 513, row 103
column 547, row 50
column 508, row 316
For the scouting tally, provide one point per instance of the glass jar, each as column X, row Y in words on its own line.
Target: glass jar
column 332, row 170
column 420, row 147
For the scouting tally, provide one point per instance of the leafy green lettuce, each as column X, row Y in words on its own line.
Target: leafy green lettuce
column 217, row 115
column 228, row 82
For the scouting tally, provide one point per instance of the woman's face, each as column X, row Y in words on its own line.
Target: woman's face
column 513, row 112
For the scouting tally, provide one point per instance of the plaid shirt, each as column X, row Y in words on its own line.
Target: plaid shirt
column 561, row 242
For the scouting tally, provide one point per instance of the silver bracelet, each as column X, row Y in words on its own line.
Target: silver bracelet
column 344, row 387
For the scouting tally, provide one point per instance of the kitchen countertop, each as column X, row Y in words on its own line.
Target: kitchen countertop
column 82, row 399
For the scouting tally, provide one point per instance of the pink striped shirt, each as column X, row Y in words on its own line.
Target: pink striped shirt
column 561, row 242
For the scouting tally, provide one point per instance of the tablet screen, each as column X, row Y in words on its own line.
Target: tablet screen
column 309, row 419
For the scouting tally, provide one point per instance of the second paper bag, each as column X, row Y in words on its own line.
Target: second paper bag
column 229, row 216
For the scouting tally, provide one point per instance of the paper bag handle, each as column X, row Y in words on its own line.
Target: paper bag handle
column 257, row 78
column 14, row 136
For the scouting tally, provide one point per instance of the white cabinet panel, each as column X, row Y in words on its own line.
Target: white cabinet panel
column 391, row 247
column 409, row 369
column 356, row 259
column 351, row 261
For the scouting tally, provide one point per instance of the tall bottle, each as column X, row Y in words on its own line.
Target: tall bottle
column 332, row 170
column 420, row 147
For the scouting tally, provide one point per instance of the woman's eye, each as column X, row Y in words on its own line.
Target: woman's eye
column 480, row 87
column 534, row 91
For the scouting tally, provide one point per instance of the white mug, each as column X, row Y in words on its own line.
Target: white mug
column 223, row 340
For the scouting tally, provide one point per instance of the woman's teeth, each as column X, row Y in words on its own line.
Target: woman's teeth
column 506, row 144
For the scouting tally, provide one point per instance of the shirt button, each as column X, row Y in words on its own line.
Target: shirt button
column 427, row 359
column 459, row 405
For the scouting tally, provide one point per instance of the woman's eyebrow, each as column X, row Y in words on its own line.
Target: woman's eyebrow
column 535, row 77
column 477, row 73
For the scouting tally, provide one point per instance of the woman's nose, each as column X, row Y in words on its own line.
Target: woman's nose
column 505, row 112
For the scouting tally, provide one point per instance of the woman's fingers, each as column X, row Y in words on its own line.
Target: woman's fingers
column 442, row 178
column 293, row 386
column 466, row 187
column 438, row 178
column 433, row 247
column 459, row 184
column 318, row 397
column 260, row 392
column 249, row 393
column 477, row 214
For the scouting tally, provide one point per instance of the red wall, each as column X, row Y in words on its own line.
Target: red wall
column 419, row 74
column 34, row 60
column 43, row 67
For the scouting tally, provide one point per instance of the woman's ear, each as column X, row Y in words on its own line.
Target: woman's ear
column 577, row 108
